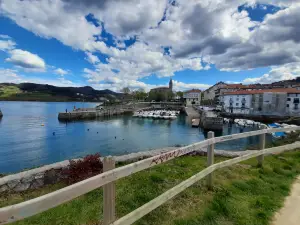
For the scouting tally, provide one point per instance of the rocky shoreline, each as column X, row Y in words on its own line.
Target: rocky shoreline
column 52, row 173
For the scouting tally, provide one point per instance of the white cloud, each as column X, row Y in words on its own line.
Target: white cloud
column 6, row 43
column 61, row 72
column 26, row 60
column 286, row 72
column 209, row 31
column 93, row 59
column 9, row 76
column 49, row 19
column 12, row 76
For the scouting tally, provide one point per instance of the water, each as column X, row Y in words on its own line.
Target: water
column 25, row 143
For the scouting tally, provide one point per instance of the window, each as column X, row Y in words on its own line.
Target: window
column 288, row 99
column 296, row 106
column 296, row 100
column 288, row 105
column 237, row 104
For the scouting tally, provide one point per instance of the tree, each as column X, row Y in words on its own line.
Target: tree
column 179, row 94
column 125, row 90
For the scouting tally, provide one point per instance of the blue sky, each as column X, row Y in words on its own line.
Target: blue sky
column 102, row 47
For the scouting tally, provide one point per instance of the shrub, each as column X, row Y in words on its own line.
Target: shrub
column 81, row 169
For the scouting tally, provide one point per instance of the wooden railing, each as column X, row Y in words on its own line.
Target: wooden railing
column 107, row 180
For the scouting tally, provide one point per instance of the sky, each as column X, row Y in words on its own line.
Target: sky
column 112, row 44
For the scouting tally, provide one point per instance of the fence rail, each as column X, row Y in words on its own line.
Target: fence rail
column 34, row 206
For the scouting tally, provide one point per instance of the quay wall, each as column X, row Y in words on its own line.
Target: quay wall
column 51, row 174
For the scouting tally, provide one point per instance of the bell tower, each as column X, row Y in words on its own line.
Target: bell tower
column 171, row 84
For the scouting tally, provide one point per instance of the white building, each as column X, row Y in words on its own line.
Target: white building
column 209, row 94
column 192, row 97
column 293, row 104
column 263, row 102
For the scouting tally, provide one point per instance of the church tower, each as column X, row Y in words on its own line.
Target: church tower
column 171, row 85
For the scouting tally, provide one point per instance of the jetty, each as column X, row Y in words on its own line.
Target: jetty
column 94, row 113
column 191, row 112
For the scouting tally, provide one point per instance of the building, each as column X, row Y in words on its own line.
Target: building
column 192, row 97
column 219, row 92
column 162, row 93
column 209, row 94
column 281, row 101
column 293, row 104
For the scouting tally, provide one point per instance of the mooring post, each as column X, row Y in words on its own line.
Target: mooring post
column 210, row 159
column 262, row 142
column 109, row 194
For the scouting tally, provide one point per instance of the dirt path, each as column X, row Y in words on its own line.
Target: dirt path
column 290, row 213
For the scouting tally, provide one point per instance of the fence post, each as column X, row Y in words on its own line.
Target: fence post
column 262, row 141
column 210, row 159
column 109, row 194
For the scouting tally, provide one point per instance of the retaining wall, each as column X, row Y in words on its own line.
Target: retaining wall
column 51, row 174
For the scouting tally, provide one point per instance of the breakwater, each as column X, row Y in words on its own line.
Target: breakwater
column 92, row 113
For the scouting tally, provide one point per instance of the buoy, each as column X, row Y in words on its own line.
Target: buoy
column 115, row 137
column 97, row 132
column 88, row 129
column 53, row 133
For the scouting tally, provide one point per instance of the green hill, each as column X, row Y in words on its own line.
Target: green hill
column 45, row 92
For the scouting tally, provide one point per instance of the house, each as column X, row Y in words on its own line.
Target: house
column 281, row 101
column 192, row 97
column 209, row 94
column 293, row 104
column 228, row 88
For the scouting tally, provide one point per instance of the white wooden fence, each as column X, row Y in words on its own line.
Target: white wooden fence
column 107, row 180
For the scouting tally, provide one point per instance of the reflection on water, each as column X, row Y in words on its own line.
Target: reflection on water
column 27, row 138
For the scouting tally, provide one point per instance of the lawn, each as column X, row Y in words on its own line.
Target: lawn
column 242, row 194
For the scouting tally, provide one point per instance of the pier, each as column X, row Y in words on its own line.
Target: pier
column 192, row 113
column 93, row 113
column 103, row 111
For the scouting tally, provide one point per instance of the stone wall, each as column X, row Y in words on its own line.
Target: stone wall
column 51, row 174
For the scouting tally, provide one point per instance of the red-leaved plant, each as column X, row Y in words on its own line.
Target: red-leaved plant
column 81, row 169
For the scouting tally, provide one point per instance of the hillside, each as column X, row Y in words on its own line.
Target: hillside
column 45, row 92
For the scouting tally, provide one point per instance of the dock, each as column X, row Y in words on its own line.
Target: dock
column 192, row 113
column 93, row 113
column 211, row 121
column 195, row 122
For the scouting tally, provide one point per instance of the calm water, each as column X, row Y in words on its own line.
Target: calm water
column 25, row 143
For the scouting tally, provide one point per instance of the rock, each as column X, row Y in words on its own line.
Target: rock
column 22, row 187
column 4, row 188
column 28, row 179
column 39, row 175
column 37, row 184
column 51, row 176
column 13, row 183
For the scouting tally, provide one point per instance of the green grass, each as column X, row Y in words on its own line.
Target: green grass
column 8, row 91
column 242, row 194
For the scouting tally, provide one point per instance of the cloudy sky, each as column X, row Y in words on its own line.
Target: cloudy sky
column 110, row 44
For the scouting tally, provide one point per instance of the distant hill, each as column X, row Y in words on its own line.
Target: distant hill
column 45, row 92
column 287, row 83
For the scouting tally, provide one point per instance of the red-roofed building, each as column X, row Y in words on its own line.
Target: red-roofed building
column 192, row 97
column 278, row 101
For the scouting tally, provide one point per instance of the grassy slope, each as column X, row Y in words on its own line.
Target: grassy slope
column 243, row 194
column 8, row 91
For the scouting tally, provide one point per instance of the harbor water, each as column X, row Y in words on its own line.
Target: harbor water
column 31, row 135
